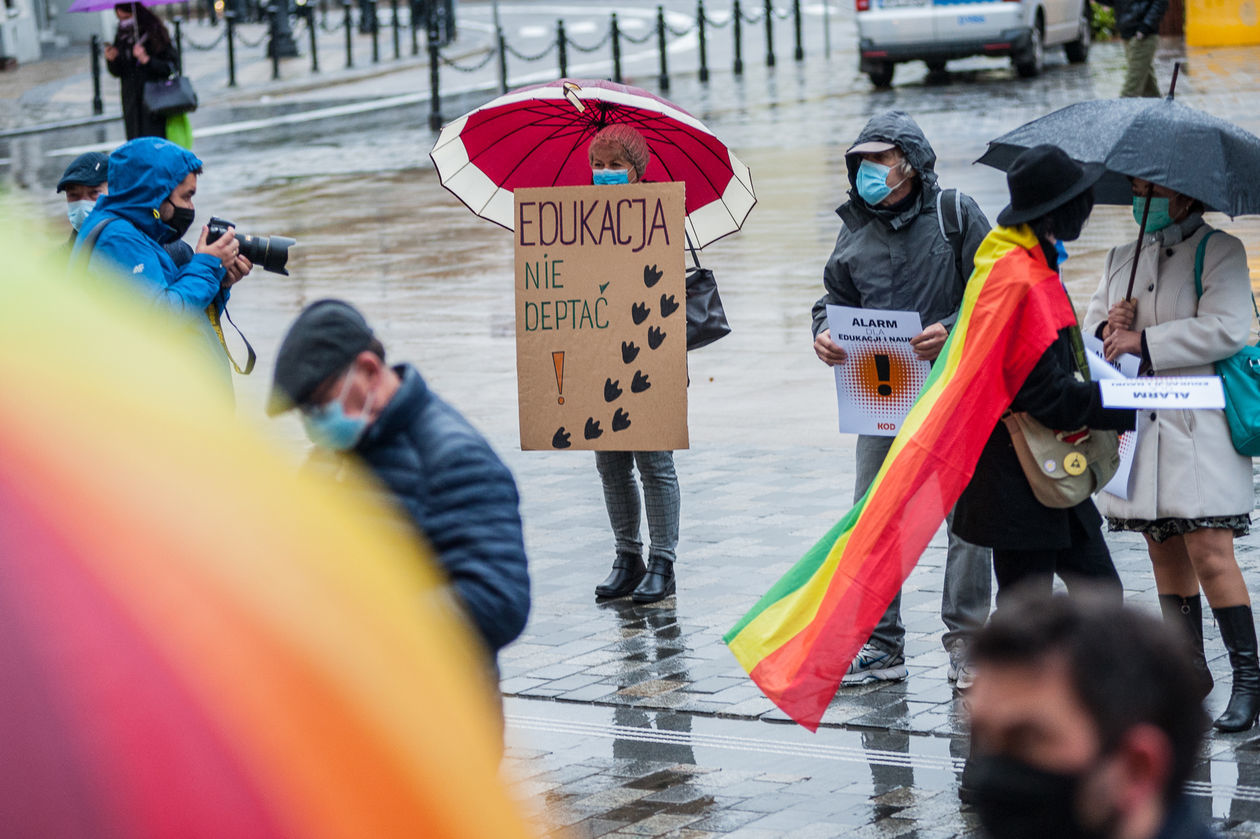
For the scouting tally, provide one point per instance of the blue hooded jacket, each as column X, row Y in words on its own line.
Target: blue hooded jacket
column 142, row 174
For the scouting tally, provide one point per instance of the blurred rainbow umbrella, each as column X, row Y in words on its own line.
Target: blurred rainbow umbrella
column 194, row 642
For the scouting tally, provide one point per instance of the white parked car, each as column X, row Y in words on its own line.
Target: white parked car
column 934, row 31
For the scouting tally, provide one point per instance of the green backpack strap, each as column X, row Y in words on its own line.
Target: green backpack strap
column 1198, row 269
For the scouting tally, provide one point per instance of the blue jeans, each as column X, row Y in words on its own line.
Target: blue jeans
column 967, row 588
column 660, row 496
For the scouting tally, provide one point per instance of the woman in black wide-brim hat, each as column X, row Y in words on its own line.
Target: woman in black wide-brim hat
column 1051, row 197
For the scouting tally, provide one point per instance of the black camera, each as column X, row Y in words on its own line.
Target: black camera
column 271, row 252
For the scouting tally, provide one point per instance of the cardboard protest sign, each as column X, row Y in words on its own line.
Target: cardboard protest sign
column 601, row 317
column 879, row 381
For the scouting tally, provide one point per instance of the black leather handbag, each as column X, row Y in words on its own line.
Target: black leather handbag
column 706, row 319
column 168, row 97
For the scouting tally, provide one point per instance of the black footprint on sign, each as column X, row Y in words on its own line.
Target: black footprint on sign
column 621, row 420
column 640, row 382
column 592, row 428
column 651, row 276
column 639, row 311
column 668, row 305
column 628, row 352
column 655, row 337
column 611, row 389
column 561, row 439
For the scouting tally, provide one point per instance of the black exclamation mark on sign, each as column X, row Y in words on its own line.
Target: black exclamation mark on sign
column 883, row 371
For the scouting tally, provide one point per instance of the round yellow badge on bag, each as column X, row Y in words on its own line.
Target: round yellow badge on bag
column 1075, row 464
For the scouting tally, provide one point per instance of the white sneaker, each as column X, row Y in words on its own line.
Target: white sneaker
column 873, row 664
column 960, row 671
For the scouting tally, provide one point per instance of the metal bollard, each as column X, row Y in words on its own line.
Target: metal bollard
column 769, row 33
column 435, row 102
column 348, row 25
column 98, row 104
column 799, row 54
column 376, row 33
column 704, row 47
column 179, row 46
column 502, row 46
column 229, row 18
column 273, row 26
column 562, row 47
column 616, row 49
column 393, row 7
column 414, row 23
column 737, row 22
column 663, row 79
column 311, row 28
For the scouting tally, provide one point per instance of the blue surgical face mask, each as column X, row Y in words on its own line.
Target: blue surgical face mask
column 1158, row 218
column 872, row 182
column 328, row 427
column 606, row 177
column 1061, row 251
column 78, row 211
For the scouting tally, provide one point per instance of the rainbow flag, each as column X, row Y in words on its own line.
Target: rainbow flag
column 799, row 639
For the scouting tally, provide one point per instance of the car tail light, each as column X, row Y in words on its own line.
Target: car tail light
column 863, row 5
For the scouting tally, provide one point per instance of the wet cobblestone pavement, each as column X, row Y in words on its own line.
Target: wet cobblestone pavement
column 628, row 720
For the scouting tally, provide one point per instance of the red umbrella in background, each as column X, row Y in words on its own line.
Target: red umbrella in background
column 537, row 136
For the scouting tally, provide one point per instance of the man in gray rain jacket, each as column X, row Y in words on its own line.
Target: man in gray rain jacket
column 906, row 245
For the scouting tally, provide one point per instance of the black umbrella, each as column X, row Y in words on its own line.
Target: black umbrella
column 1158, row 140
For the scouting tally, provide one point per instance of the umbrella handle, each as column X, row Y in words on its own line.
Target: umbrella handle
column 1137, row 251
column 1172, row 87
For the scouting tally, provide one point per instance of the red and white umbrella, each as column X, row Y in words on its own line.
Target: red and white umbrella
column 538, row 136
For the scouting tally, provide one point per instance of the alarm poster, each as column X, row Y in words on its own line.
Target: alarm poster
column 601, row 317
column 879, row 380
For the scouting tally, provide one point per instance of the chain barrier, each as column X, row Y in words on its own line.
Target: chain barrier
column 680, row 33
column 523, row 57
column 603, row 42
column 625, row 36
column 191, row 44
column 323, row 25
column 752, row 20
column 486, row 59
column 708, row 21
column 783, row 15
column 245, row 42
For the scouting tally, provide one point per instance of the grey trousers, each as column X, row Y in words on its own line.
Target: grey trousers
column 968, row 584
column 1139, row 69
column 661, row 497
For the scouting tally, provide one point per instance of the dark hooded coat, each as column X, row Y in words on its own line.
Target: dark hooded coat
column 898, row 259
column 131, row 75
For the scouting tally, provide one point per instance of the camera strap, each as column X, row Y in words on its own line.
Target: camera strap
column 212, row 312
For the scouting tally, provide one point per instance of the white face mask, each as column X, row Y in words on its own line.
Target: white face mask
column 126, row 23
column 78, row 211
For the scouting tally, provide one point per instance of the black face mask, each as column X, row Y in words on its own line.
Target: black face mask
column 1018, row 801
column 181, row 219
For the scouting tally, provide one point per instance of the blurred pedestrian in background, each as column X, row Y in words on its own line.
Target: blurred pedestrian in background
column 439, row 469
column 142, row 52
column 85, row 179
column 1137, row 22
column 1084, row 722
column 619, row 155
column 1051, row 197
column 1191, row 492
column 906, row 245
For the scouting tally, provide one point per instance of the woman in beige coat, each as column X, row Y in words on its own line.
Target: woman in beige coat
column 1190, row 492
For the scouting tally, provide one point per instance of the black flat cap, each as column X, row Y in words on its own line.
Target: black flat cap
column 322, row 342
column 90, row 169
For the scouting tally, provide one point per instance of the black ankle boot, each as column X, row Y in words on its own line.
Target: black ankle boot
column 1238, row 631
column 657, row 584
column 1187, row 612
column 626, row 573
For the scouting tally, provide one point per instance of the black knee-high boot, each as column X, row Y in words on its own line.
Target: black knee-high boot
column 1188, row 613
column 1238, row 631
